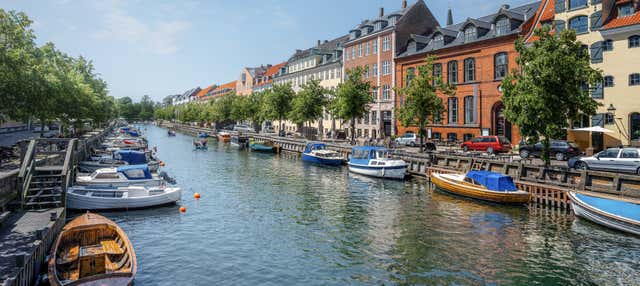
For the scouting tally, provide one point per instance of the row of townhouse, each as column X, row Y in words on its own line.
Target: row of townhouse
column 475, row 55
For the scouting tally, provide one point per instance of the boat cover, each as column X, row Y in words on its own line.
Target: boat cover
column 616, row 207
column 130, row 156
column 136, row 172
column 314, row 146
column 493, row 181
column 134, row 133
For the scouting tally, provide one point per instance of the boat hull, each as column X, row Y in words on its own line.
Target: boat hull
column 84, row 202
column 602, row 217
column 480, row 193
column 261, row 148
column 324, row 161
column 389, row 172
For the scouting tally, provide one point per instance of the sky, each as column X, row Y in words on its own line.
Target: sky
column 164, row 47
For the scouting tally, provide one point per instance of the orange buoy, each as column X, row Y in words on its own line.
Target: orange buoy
column 183, row 209
column 197, row 196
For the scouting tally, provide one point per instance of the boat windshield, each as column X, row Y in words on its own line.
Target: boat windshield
column 318, row 147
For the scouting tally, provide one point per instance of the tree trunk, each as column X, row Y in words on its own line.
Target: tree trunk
column 353, row 130
column 421, row 134
column 545, row 152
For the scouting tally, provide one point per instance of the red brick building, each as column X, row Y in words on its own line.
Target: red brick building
column 475, row 55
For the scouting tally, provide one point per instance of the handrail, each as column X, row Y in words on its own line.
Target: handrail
column 28, row 157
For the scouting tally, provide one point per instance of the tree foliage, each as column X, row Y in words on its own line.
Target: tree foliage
column 352, row 98
column 277, row 102
column 309, row 103
column 549, row 91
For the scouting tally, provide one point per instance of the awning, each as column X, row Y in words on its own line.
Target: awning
column 593, row 129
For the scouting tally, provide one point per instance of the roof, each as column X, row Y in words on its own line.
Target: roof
column 386, row 18
column 616, row 22
column 325, row 48
column 203, row 92
column 454, row 36
column 270, row 73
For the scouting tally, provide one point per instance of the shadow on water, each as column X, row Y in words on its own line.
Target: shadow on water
column 268, row 219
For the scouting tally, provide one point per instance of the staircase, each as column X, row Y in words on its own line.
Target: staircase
column 44, row 186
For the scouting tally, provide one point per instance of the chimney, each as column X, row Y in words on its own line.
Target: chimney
column 449, row 17
column 319, row 41
column 404, row 4
column 381, row 11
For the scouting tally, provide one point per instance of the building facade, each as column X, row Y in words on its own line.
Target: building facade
column 266, row 80
column 475, row 55
column 374, row 45
column 248, row 77
column 610, row 29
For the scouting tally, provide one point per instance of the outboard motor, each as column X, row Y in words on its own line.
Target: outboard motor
column 166, row 177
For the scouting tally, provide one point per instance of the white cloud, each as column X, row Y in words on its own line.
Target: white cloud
column 159, row 37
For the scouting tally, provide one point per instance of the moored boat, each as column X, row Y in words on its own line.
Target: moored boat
column 121, row 176
column 318, row 153
column 376, row 162
column 201, row 144
column 224, row 137
column 266, row 147
column 92, row 250
column 171, row 133
column 203, row 135
column 129, row 197
column 239, row 141
column 481, row 185
column 612, row 213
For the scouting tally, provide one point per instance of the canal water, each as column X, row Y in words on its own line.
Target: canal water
column 274, row 220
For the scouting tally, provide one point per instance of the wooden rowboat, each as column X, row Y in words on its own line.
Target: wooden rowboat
column 610, row 212
column 481, row 185
column 92, row 250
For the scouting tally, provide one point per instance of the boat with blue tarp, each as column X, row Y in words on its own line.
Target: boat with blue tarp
column 318, row 153
column 610, row 212
column 481, row 185
column 376, row 162
column 119, row 158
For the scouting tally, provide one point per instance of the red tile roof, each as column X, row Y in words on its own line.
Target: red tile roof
column 616, row 22
column 271, row 71
column 204, row 91
column 231, row 85
column 546, row 12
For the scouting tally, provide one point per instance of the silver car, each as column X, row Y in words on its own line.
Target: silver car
column 408, row 139
column 244, row 128
column 613, row 159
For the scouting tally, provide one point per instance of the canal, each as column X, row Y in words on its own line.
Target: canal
column 274, row 220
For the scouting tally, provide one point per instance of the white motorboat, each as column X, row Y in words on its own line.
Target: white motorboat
column 130, row 197
column 123, row 176
column 375, row 162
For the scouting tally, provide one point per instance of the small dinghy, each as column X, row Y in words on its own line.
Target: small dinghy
column 318, row 153
column 92, row 250
column 200, row 144
column 376, row 162
column 266, row 147
column 482, row 185
column 130, row 197
column 612, row 213
column 224, row 137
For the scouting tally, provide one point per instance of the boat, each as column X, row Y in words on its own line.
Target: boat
column 224, row 137
column 100, row 163
column 122, row 176
column 171, row 133
column 376, row 162
column 92, row 250
column 482, row 185
column 200, row 144
column 239, row 141
column 117, row 159
column 318, row 153
column 203, row 135
column 262, row 147
column 129, row 197
column 134, row 157
column 613, row 213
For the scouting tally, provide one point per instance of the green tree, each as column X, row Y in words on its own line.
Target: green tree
column 240, row 109
column 549, row 91
column 255, row 108
column 277, row 102
column 308, row 105
column 421, row 103
column 352, row 98
column 146, row 108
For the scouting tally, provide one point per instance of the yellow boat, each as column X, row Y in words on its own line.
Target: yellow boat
column 482, row 185
column 92, row 250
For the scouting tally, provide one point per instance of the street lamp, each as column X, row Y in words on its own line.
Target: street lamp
column 611, row 109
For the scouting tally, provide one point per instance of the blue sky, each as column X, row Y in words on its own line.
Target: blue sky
column 164, row 47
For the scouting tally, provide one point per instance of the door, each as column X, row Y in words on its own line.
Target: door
column 629, row 160
column 501, row 125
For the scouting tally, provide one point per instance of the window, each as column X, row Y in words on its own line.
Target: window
column 437, row 72
column 366, row 71
column 453, row 110
column 607, row 45
column 629, row 153
column 366, row 121
column 609, row 153
column 438, row 41
column 596, row 52
column 469, row 70
column 374, row 93
column 596, row 20
column 579, row 24
column 452, row 137
column 634, row 125
column 634, row 79
column 332, row 74
column 608, row 81
column 386, row 92
column 353, row 53
column 470, row 33
column 375, row 46
column 634, row 41
column 386, row 68
column 366, row 131
column 385, row 44
column 338, row 73
column 374, row 117
column 597, row 92
column 367, row 48
column 360, row 50
column 560, row 25
column 359, row 132
column 608, row 118
column 575, row 4
column 375, row 70
column 411, row 73
column 503, row 26
column 500, row 65
column 467, row 137
column 452, row 69
column 437, row 135
column 625, row 10
column 560, row 6
column 469, row 110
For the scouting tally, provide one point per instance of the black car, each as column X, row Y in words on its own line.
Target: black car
column 558, row 149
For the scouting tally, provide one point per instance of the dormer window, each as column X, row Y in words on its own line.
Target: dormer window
column 438, row 41
column 503, row 26
column 379, row 25
column 625, row 10
column 393, row 20
column 470, row 33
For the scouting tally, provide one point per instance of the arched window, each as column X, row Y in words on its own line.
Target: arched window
column 469, row 110
column 469, row 70
column 579, row 24
column 634, row 41
column 500, row 65
column 575, row 4
column 503, row 26
column 470, row 33
column 452, row 69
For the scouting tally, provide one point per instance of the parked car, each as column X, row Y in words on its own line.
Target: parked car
column 613, row 159
column 558, row 149
column 268, row 129
column 490, row 144
column 243, row 128
column 408, row 139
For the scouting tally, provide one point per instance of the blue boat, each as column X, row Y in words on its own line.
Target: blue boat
column 318, row 153
column 134, row 133
column 376, row 162
column 612, row 213
column 262, row 147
